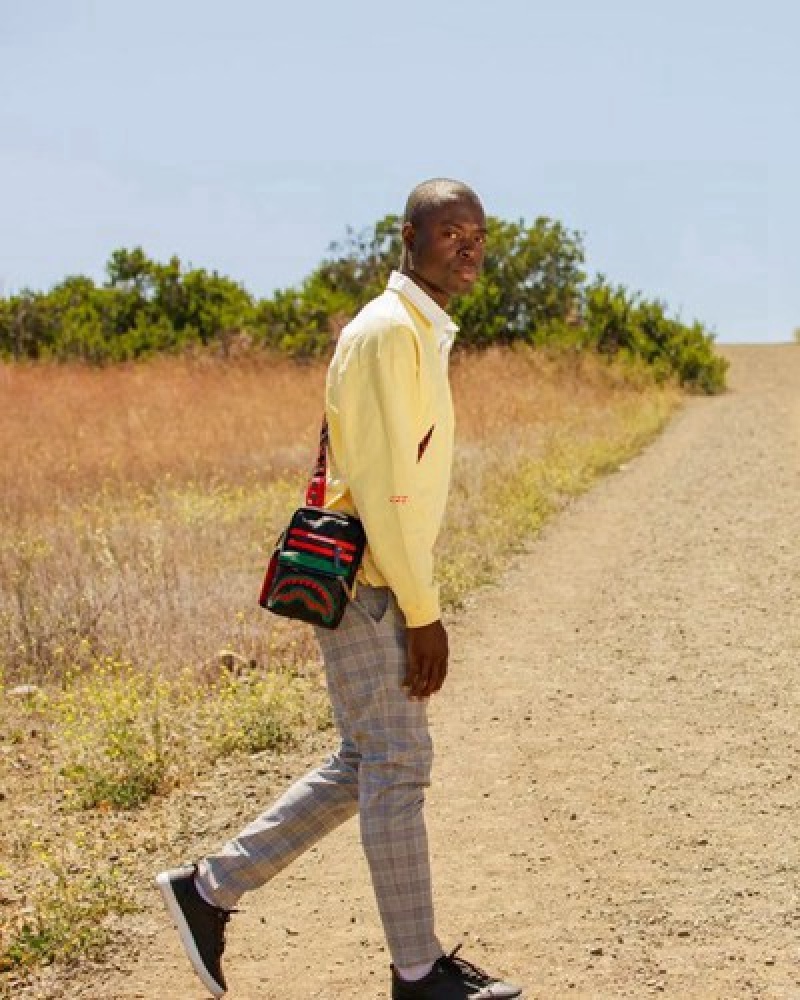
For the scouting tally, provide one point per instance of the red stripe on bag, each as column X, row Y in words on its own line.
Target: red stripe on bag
column 294, row 543
column 321, row 538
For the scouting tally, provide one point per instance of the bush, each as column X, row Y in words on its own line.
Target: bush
column 532, row 290
column 617, row 323
column 531, row 279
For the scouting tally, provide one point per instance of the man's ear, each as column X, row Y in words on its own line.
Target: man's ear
column 408, row 234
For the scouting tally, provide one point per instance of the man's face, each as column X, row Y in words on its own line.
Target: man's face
column 447, row 247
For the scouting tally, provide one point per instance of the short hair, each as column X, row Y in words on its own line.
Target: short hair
column 433, row 193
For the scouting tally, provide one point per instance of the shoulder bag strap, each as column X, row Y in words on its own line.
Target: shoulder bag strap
column 315, row 493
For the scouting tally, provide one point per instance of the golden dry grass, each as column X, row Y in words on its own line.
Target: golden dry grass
column 139, row 502
column 67, row 432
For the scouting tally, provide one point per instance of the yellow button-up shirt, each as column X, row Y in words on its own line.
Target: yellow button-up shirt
column 390, row 419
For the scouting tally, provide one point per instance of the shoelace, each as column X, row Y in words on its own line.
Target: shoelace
column 472, row 973
column 223, row 916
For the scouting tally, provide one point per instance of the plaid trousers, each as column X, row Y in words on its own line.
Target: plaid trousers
column 380, row 771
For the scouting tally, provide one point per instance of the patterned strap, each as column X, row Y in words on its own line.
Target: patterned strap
column 315, row 493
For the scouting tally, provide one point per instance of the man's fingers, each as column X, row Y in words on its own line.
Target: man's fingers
column 421, row 679
column 437, row 679
column 415, row 673
column 429, row 678
column 425, row 679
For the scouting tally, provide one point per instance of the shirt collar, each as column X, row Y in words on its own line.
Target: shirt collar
column 419, row 298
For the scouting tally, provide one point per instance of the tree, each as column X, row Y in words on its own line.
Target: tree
column 532, row 276
column 533, row 288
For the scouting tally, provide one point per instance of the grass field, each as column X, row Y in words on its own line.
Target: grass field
column 138, row 506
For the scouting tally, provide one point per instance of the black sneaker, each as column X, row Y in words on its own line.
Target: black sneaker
column 453, row 978
column 200, row 925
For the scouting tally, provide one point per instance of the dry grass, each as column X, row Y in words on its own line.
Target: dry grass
column 138, row 502
column 138, row 506
column 70, row 432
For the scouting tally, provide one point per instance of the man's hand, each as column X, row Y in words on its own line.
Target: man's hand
column 427, row 659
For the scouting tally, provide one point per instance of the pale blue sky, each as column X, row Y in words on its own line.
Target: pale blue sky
column 247, row 135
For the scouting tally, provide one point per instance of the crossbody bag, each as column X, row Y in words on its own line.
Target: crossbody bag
column 313, row 567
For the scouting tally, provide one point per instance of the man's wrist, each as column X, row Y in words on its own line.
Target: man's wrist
column 423, row 614
column 418, row 628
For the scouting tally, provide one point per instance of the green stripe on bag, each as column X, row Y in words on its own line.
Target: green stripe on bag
column 305, row 561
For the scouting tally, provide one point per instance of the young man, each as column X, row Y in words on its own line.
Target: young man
column 390, row 421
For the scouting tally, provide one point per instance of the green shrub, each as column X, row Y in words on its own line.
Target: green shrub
column 532, row 290
column 618, row 323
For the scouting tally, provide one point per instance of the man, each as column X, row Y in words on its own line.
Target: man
column 390, row 421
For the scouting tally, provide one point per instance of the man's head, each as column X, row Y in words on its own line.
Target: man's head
column 444, row 237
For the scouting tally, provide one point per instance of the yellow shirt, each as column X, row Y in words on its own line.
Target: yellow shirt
column 390, row 419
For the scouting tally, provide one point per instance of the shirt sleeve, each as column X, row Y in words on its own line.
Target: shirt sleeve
column 378, row 417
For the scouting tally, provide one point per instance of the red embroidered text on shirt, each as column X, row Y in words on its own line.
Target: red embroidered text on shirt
column 398, row 499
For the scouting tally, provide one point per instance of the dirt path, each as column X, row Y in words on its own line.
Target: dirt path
column 614, row 810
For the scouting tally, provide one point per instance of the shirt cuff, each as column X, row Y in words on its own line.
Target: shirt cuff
column 422, row 612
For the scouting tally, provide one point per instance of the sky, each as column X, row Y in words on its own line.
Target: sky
column 247, row 136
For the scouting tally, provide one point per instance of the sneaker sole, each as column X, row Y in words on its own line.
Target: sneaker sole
column 187, row 940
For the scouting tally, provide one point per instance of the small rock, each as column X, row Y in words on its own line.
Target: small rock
column 24, row 691
column 234, row 663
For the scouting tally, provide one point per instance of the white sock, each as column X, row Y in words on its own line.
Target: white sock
column 203, row 893
column 411, row 973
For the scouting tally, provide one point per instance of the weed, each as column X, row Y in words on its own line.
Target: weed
column 66, row 918
column 247, row 716
column 109, row 730
column 123, row 734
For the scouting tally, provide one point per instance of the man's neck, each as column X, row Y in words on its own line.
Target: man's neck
column 439, row 296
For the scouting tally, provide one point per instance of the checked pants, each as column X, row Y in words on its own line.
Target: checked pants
column 380, row 771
